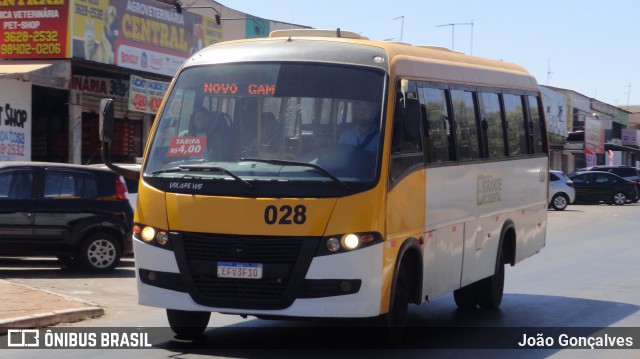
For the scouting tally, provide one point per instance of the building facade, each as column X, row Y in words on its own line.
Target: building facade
column 60, row 59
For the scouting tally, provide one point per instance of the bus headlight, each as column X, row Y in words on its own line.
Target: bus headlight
column 333, row 244
column 350, row 241
column 162, row 237
column 153, row 236
column 340, row 243
column 148, row 234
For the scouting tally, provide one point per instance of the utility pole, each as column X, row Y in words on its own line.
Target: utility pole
column 401, row 25
column 628, row 93
column 453, row 26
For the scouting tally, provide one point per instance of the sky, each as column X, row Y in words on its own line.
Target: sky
column 591, row 47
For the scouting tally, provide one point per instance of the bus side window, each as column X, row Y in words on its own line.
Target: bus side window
column 537, row 126
column 466, row 125
column 516, row 130
column 406, row 145
column 407, row 134
column 493, row 127
column 439, row 145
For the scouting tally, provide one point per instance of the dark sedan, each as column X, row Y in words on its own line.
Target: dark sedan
column 78, row 213
column 597, row 186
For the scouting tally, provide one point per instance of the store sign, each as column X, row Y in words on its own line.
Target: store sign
column 594, row 135
column 15, row 121
column 141, row 35
column 146, row 95
column 100, row 85
column 630, row 137
column 34, row 29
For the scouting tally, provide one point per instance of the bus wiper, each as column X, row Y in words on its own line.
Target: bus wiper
column 199, row 168
column 302, row 164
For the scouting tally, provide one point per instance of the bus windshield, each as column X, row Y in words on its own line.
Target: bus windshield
column 256, row 122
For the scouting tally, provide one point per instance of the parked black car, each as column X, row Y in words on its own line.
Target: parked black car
column 78, row 213
column 598, row 186
column 627, row 172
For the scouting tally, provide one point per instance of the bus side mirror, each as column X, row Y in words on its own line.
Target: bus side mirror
column 106, row 120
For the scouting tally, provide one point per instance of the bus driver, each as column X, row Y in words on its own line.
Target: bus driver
column 365, row 132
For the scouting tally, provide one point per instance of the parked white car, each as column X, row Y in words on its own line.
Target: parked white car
column 561, row 190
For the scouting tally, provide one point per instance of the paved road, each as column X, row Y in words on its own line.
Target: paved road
column 586, row 276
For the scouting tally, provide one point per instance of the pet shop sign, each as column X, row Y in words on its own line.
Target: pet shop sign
column 15, row 121
column 33, row 29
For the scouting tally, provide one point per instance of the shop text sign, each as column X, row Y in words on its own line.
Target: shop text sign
column 15, row 121
column 146, row 95
column 100, row 85
column 142, row 35
column 33, row 29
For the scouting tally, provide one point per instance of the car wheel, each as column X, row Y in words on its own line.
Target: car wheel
column 619, row 198
column 560, row 201
column 100, row 252
column 186, row 324
column 488, row 292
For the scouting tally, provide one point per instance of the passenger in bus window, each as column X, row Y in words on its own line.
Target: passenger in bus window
column 214, row 128
column 219, row 141
column 365, row 132
column 199, row 125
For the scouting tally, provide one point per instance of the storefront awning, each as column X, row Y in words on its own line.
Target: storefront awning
column 20, row 68
column 51, row 73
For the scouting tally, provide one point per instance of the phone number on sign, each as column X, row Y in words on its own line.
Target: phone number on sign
column 11, row 149
column 28, row 49
column 25, row 36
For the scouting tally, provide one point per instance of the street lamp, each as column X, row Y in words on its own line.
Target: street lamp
column 453, row 25
column 218, row 17
column 401, row 25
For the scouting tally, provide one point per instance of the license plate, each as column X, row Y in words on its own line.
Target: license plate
column 239, row 270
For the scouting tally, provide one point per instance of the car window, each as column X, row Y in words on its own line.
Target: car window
column 624, row 172
column 553, row 177
column 16, row 184
column 581, row 178
column 67, row 185
column 602, row 178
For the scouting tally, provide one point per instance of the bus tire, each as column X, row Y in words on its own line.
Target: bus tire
column 487, row 292
column 464, row 298
column 396, row 320
column 186, row 324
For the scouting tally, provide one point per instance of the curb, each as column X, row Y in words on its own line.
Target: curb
column 51, row 318
column 84, row 310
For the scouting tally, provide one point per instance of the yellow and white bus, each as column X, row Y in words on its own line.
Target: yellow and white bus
column 284, row 205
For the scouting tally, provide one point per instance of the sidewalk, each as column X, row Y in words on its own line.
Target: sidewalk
column 26, row 307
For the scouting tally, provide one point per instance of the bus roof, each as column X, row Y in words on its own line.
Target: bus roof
column 429, row 63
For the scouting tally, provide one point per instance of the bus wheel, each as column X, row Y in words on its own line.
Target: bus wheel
column 396, row 319
column 464, row 298
column 487, row 292
column 186, row 324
